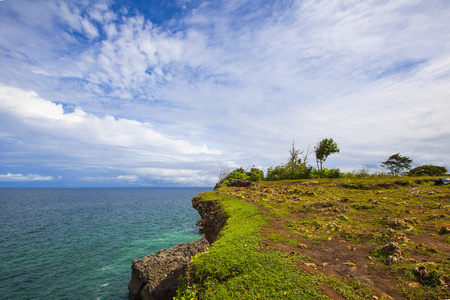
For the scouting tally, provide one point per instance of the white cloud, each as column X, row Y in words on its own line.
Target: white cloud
column 372, row 75
column 190, row 177
column 82, row 18
column 20, row 177
column 125, row 178
column 89, row 28
column 79, row 125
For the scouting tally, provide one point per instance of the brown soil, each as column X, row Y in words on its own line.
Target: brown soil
column 425, row 207
column 336, row 257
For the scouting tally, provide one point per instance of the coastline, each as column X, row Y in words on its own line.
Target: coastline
column 322, row 239
column 156, row 276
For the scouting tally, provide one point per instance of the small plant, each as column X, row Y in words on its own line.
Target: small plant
column 186, row 292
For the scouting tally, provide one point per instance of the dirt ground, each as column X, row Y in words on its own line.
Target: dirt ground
column 345, row 259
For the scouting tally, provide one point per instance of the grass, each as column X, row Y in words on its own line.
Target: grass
column 263, row 246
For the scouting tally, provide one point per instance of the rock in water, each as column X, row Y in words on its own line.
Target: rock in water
column 156, row 276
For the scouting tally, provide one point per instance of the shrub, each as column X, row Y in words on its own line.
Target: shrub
column 427, row 170
column 253, row 175
column 283, row 172
column 277, row 173
column 331, row 173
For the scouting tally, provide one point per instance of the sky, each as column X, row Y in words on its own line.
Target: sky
column 171, row 93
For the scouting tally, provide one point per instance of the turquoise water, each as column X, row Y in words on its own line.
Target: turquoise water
column 79, row 243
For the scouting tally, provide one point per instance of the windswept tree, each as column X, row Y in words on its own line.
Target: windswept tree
column 397, row 163
column 324, row 148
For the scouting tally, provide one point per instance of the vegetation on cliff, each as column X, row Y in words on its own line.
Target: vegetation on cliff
column 298, row 167
column 370, row 238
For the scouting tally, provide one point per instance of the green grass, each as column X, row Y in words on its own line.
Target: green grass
column 236, row 266
column 370, row 212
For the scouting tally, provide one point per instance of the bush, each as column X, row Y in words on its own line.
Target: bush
column 283, row 172
column 427, row 170
column 277, row 173
column 331, row 173
column 253, row 175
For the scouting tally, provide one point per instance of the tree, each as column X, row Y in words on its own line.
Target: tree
column 294, row 161
column 324, row 148
column 397, row 163
column 427, row 170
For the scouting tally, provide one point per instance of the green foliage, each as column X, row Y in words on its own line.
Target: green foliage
column 253, row 175
column 428, row 170
column 185, row 291
column 245, row 263
column 277, row 173
column 283, row 172
column 397, row 163
column 235, row 268
column 294, row 169
column 331, row 173
column 324, row 148
column 350, row 289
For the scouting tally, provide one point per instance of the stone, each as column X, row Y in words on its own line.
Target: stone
column 212, row 217
column 444, row 230
column 392, row 249
column 241, row 183
column 393, row 259
column 156, row 276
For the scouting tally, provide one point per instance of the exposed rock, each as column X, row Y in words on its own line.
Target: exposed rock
column 393, row 259
column 199, row 223
column 405, row 223
column 434, row 217
column 395, row 254
column 156, row 276
column 392, row 249
column 212, row 217
column 241, row 183
column 444, row 230
column 428, row 278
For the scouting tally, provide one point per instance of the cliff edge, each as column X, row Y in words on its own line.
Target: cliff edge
column 156, row 276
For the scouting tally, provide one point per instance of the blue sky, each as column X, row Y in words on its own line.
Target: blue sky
column 169, row 93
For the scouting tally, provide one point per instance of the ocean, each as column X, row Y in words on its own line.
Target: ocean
column 80, row 243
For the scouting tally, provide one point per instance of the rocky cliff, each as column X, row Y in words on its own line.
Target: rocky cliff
column 213, row 218
column 156, row 276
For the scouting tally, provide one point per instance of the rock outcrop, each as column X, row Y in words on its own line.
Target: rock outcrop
column 241, row 183
column 156, row 276
column 213, row 219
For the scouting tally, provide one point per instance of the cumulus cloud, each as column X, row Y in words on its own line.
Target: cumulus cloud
column 29, row 177
column 104, row 141
column 177, row 176
column 244, row 77
column 79, row 125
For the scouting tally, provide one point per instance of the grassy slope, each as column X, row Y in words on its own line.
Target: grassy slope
column 323, row 239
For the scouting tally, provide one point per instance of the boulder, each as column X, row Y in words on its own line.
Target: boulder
column 444, row 230
column 392, row 249
column 241, row 183
column 156, row 276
